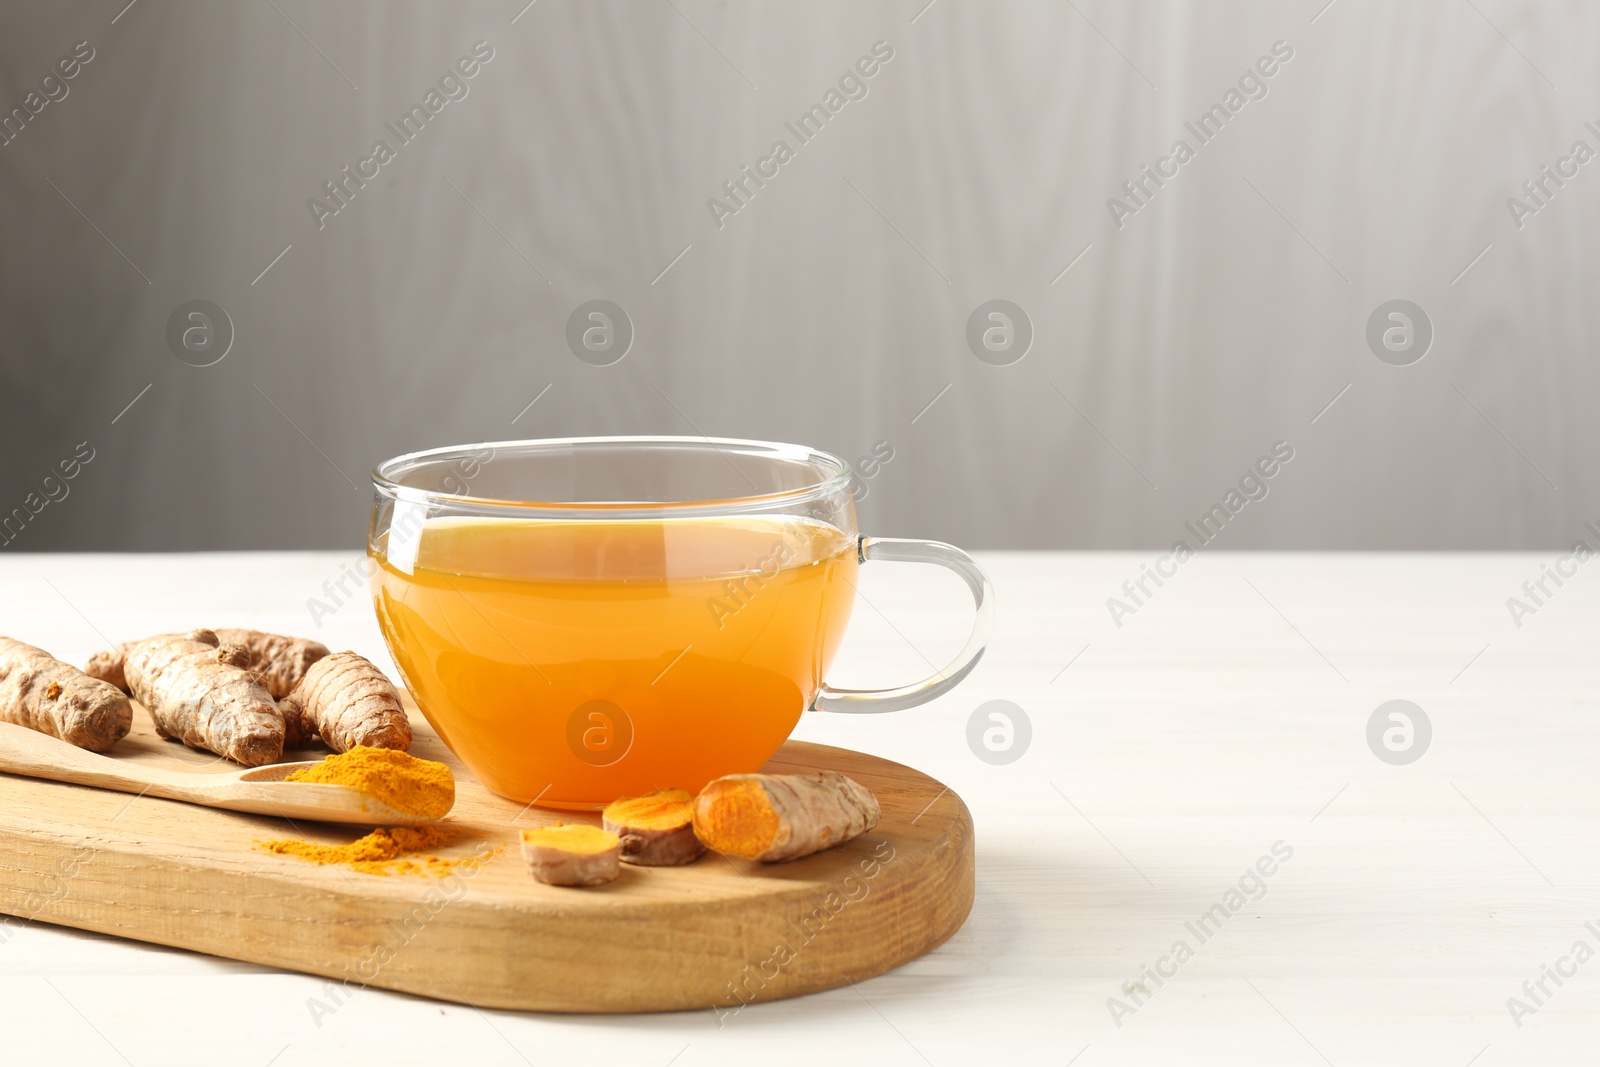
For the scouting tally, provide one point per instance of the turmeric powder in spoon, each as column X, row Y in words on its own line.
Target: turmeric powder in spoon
column 407, row 784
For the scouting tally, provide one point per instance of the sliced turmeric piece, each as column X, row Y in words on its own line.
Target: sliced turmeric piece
column 42, row 693
column 346, row 700
column 655, row 830
column 572, row 855
column 199, row 692
column 774, row 817
column 279, row 661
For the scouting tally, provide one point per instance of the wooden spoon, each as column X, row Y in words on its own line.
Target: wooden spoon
column 259, row 790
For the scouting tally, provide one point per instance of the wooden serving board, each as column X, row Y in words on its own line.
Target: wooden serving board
column 717, row 933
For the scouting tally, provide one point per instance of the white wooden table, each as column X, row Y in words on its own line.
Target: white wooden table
column 1229, row 713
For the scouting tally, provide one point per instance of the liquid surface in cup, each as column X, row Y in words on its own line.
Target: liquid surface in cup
column 579, row 662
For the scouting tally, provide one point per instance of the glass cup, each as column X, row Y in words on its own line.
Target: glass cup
column 585, row 619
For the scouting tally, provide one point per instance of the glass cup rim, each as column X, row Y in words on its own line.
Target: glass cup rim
column 834, row 475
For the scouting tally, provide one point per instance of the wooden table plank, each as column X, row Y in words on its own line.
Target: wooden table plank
column 1187, row 741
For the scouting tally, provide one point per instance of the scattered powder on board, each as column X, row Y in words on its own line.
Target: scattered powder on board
column 396, row 850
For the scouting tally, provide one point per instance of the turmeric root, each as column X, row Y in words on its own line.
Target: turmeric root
column 345, row 700
column 572, row 855
column 199, row 692
column 655, row 830
column 42, row 693
column 772, row 817
column 280, row 662
column 108, row 666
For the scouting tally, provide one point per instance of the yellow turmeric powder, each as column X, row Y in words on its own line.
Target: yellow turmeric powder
column 382, row 851
column 407, row 784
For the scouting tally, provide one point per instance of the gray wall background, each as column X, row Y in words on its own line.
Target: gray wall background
column 1222, row 317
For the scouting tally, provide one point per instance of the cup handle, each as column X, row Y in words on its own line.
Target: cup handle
column 903, row 550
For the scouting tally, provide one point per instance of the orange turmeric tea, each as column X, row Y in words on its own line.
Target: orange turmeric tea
column 573, row 663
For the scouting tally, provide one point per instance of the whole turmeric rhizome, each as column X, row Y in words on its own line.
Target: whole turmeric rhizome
column 245, row 694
